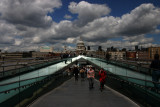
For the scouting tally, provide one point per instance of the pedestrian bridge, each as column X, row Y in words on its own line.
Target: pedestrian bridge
column 76, row 94
column 49, row 85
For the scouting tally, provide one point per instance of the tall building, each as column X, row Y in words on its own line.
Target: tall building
column 88, row 47
column 152, row 51
column 99, row 48
column 136, row 48
column 0, row 53
column 81, row 49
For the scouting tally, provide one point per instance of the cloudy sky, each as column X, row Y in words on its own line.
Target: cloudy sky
column 25, row 25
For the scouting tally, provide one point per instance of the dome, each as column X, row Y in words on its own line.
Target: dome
column 80, row 46
column 80, row 41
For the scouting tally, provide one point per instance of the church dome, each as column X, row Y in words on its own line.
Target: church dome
column 80, row 46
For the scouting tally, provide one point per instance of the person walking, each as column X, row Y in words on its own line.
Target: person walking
column 76, row 72
column 155, row 65
column 90, row 76
column 65, row 56
column 69, row 71
column 82, row 72
column 102, row 77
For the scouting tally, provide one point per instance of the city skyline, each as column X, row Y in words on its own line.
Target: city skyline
column 26, row 25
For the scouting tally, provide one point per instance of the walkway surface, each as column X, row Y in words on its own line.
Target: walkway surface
column 77, row 94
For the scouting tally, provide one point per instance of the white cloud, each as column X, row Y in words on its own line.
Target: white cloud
column 70, row 40
column 28, row 12
column 143, row 19
column 87, row 12
column 17, row 42
column 68, row 16
column 27, row 26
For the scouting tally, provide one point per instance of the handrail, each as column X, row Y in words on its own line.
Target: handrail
column 151, row 69
column 61, row 73
column 141, row 66
column 56, row 73
column 23, row 80
column 124, row 80
column 41, row 62
column 131, row 77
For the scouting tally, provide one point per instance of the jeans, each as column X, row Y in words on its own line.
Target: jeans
column 155, row 79
column 91, row 82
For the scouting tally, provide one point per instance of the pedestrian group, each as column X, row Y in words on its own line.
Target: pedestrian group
column 89, row 73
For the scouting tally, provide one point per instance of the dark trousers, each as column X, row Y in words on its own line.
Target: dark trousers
column 155, row 79
column 76, row 77
column 91, row 82
column 102, row 84
column 65, row 61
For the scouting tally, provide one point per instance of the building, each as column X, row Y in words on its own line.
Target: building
column 88, row 48
column 40, row 54
column 46, row 49
column 10, row 55
column 0, row 53
column 118, row 55
column 136, row 48
column 100, row 53
column 152, row 51
column 99, row 48
column 91, row 53
column 131, row 55
column 142, row 55
column 81, row 49
column 124, row 49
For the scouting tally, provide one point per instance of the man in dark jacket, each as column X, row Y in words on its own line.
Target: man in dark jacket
column 155, row 65
column 76, row 72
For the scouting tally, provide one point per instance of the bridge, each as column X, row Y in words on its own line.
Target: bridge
column 47, row 84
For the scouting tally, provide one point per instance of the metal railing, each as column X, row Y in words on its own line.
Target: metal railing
column 126, row 79
column 20, row 90
column 131, row 81
column 28, row 66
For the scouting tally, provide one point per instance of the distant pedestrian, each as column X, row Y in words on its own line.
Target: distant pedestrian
column 155, row 65
column 61, row 55
column 102, row 78
column 90, row 76
column 76, row 72
column 69, row 71
column 65, row 56
column 82, row 72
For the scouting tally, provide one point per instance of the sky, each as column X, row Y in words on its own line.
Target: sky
column 26, row 25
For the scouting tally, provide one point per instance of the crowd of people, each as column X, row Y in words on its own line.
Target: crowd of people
column 65, row 56
column 89, row 73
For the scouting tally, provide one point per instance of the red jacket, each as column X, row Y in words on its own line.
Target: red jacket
column 102, row 75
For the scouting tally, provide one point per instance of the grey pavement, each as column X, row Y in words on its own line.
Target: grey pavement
column 77, row 94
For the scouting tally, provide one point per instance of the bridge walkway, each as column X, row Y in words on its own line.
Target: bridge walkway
column 77, row 94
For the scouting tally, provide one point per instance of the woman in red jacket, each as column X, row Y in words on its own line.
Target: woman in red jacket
column 102, row 77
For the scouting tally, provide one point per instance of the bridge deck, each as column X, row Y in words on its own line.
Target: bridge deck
column 77, row 94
